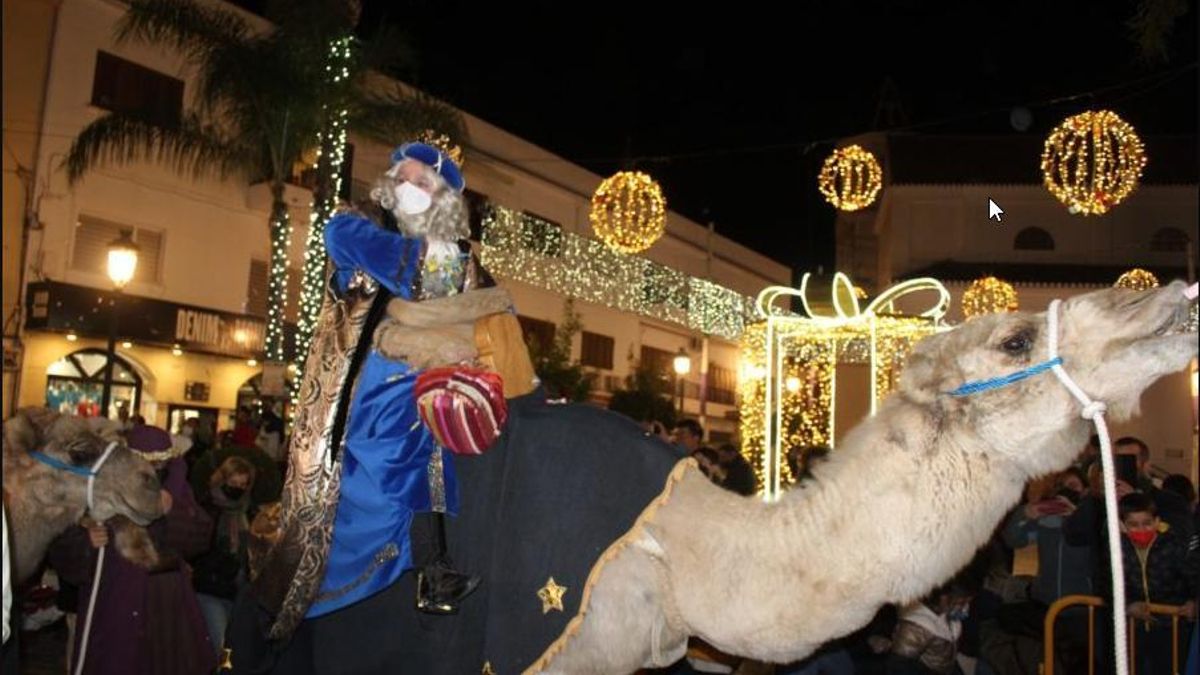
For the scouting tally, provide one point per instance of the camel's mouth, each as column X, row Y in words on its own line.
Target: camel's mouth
column 137, row 515
column 1181, row 320
column 1174, row 317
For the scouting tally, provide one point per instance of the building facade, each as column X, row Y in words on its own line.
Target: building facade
column 190, row 324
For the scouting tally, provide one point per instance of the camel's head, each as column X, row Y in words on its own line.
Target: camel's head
column 125, row 485
column 1114, row 343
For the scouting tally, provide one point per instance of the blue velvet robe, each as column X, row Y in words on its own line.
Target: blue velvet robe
column 391, row 464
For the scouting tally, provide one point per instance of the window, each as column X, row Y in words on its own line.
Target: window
column 537, row 332
column 1033, row 239
column 722, row 385
column 75, row 384
column 1168, row 240
column 256, row 289
column 126, row 87
column 658, row 361
column 597, row 351
column 90, row 252
column 477, row 210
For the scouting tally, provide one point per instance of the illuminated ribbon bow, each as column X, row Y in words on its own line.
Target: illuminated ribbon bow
column 845, row 301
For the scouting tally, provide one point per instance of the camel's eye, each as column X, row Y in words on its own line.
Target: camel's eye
column 1020, row 343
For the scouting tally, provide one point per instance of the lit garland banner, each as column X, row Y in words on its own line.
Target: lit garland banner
column 1092, row 161
column 1137, row 279
column 851, row 178
column 629, row 212
column 787, row 384
column 989, row 295
column 524, row 248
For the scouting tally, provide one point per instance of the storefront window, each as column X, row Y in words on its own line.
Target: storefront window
column 75, row 384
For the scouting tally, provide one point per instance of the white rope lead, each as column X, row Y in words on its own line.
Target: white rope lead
column 1094, row 410
column 91, row 504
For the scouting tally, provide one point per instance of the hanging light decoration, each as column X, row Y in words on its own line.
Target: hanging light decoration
column 1092, row 161
column 988, row 295
column 850, row 178
column 1137, row 279
column 442, row 142
column 629, row 212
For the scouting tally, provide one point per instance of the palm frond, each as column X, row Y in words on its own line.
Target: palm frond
column 192, row 28
column 395, row 114
column 390, row 51
column 192, row 147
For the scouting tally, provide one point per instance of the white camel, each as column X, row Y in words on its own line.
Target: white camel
column 903, row 504
column 42, row 500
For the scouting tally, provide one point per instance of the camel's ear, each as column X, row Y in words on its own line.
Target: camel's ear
column 28, row 428
column 930, row 369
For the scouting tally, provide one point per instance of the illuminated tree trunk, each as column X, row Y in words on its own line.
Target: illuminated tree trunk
column 332, row 153
column 281, row 238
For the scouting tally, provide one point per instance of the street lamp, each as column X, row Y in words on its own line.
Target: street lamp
column 683, row 366
column 122, row 264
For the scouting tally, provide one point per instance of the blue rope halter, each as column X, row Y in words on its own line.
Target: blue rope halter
column 85, row 471
column 968, row 388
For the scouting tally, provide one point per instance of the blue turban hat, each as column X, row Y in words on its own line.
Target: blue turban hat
column 433, row 158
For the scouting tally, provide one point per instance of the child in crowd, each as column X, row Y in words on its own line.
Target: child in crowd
column 1156, row 572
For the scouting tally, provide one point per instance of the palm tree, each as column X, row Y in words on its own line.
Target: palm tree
column 264, row 98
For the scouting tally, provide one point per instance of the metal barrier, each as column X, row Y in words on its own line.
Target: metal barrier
column 1092, row 602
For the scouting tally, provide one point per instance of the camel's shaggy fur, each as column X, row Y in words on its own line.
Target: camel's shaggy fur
column 42, row 501
column 903, row 504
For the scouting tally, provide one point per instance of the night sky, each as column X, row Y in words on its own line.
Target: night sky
column 733, row 109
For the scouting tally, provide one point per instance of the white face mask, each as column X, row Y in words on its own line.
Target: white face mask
column 411, row 199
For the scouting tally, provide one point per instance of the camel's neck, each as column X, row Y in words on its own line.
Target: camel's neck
column 35, row 518
column 917, row 499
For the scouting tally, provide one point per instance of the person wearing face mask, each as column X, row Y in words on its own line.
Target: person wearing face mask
column 1156, row 571
column 365, row 473
column 218, row 574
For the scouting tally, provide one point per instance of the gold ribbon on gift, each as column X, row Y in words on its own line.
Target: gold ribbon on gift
column 845, row 302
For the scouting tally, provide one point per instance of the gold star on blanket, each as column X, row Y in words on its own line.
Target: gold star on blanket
column 487, row 668
column 551, row 595
column 226, row 659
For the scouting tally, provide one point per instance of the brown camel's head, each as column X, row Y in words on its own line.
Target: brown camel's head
column 1114, row 343
column 125, row 485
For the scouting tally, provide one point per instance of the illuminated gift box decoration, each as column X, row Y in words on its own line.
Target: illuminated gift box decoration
column 787, row 382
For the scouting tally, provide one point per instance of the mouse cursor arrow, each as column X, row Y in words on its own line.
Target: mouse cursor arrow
column 994, row 210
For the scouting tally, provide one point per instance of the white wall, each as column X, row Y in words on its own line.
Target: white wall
column 930, row 223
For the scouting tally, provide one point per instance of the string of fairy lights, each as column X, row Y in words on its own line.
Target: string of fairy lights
column 525, row 248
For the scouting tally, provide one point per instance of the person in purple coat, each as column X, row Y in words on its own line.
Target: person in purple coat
column 145, row 621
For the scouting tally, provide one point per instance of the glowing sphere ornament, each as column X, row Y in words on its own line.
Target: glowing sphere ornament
column 850, row 178
column 988, row 295
column 1092, row 161
column 1137, row 279
column 629, row 212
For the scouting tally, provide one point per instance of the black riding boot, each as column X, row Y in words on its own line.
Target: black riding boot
column 440, row 587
